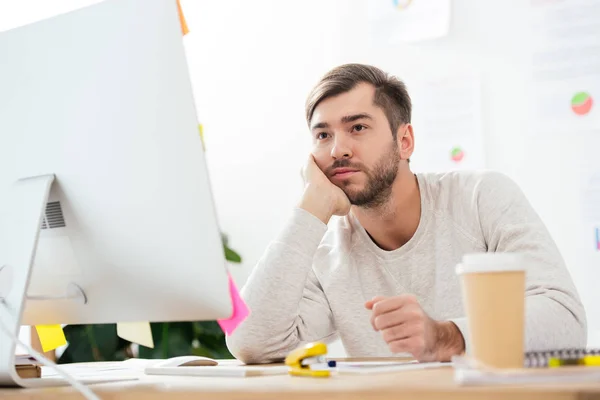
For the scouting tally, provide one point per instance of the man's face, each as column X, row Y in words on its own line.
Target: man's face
column 353, row 145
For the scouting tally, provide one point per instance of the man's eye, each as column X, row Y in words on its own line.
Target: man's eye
column 358, row 127
column 322, row 135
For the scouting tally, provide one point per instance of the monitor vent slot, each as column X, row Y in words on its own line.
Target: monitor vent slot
column 53, row 218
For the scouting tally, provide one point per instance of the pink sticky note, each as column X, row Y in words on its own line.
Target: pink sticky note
column 240, row 310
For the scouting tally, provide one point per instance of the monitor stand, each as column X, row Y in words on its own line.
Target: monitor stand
column 19, row 232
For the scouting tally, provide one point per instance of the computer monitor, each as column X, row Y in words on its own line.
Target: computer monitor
column 107, row 211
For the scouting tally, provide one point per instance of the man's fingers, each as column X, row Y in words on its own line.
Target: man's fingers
column 387, row 320
column 392, row 303
column 398, row 316
column 402, row 331
column 305, row 169
column 402, row 315
column 369, row 304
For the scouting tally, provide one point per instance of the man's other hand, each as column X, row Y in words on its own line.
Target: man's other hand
column 406, row 328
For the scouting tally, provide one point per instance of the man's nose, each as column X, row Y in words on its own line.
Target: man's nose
column 341, row 148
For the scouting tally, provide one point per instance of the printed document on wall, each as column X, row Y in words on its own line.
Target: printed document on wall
column 590, row 194
column 397, row 21
column 565, row 65
column 447, row 123
column 587, row 247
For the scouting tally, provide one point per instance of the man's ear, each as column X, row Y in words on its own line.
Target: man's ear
column 406, row 141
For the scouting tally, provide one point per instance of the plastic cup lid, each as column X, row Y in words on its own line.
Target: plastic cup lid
column 490, row 262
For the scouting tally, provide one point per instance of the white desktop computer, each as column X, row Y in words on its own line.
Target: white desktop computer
column 105, row 201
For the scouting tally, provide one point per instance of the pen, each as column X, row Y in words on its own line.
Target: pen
column 318, row 363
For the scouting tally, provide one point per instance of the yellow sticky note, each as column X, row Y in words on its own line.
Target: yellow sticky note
column 136, row 332
column 51, row 336
column 201, row 130
column 184, row 27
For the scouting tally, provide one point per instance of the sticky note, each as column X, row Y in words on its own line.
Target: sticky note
column 51, row 336
column 184, row 27
column 201, row 130
column 240, row 310
column 136, row 332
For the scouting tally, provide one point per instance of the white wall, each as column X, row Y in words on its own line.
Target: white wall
column 253, row 63
column 261, row 69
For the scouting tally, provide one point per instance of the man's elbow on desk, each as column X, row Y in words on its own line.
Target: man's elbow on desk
column 247, row 348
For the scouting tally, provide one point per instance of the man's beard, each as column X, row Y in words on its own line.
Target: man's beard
column 378, row 188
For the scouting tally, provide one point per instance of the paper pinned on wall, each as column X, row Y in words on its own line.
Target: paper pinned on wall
column 565, row 60
column 396, row 21
column 51, row 336
column 447, row 122
column 591, row 209
column 136, row 332
column 570, row 104
column 564, row 36
column 586, row 175
column 184, row 27
column 240, row 309
column 591, row 197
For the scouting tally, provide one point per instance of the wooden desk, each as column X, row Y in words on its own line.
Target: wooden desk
column 422, row 385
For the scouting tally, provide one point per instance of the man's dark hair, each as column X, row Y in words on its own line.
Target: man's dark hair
column 390, row 92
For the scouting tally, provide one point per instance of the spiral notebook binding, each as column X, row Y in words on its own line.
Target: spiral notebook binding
column 540, row 359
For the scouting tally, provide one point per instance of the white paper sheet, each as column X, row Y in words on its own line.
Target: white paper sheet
column 136, row 332
column 565, row 36
column 591, row 197
column 379, row 367
column 447, row 124
column 467, row 372
column 133, row 367
column 394, row 21
column 553, row 375
column 565, row 65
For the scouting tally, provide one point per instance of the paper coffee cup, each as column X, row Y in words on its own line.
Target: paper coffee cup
column 493, row 286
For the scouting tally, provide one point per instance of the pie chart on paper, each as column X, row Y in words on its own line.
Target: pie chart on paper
column 457, row 154
column 581, row 103
column 401, row 4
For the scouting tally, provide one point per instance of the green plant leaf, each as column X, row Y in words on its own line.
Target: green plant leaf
column 171, row 339
column 97, row 342
column 231, row 255
column 210, row 328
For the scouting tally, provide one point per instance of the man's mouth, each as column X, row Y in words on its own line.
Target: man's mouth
column 341, row 173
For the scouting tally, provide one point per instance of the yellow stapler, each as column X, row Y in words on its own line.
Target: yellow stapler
column 309, row 360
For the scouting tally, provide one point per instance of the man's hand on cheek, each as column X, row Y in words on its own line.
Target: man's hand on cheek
column 321, row 197
column 406, row 328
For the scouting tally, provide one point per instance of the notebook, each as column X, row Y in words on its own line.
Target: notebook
column 541, row 359
column 475, row 376
column 535, row 369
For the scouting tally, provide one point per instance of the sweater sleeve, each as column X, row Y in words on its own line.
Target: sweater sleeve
column 287, row 305
column 555, row 317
